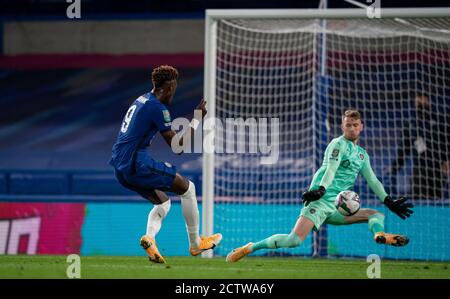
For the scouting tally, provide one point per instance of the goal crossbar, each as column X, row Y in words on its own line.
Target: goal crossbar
column 215, row 14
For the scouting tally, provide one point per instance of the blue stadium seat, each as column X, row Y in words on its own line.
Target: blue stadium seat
column 39, row 183
column 97, row 184
column 2, row 183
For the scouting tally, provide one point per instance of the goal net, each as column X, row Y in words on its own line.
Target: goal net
column 305, row 72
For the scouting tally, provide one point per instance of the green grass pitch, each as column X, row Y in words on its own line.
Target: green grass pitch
column 22, row 266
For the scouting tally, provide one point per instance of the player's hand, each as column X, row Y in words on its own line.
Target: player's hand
column 312, row 195
column 399, row 207
column 202, row 106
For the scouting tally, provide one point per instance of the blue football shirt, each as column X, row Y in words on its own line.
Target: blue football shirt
column 145, row 117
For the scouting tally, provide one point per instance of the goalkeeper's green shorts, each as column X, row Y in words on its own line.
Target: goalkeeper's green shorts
column 323, row 211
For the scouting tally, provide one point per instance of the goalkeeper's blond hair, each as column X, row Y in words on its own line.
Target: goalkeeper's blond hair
column 351, row 113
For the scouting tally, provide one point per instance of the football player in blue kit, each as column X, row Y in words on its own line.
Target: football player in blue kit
column 136, row 170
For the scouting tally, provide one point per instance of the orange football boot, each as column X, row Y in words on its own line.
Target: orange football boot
column 391, row 239
column 150, row 247
column 239, row 253
column 206, row 243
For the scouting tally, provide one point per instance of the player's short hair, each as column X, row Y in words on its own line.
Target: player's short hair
column 163, row 74
column 351, row 113
column 423, row 96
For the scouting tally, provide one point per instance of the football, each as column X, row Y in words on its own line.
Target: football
column 347, row 203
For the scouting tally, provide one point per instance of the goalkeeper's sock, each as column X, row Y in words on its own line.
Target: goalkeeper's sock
column 155, row 218
column 376, row 223
column 190, row 214
column 278, row 241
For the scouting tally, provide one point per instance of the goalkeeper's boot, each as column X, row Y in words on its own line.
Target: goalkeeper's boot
column 391, row 239
column 206, row 243
column 239, row 253
column 149, row 246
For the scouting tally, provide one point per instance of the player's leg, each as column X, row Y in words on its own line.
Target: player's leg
column 163, row 176
column 301, row 230
column 156, row 215
column 310, row 217
column 155, row 218
column 186, row 190
column 375, row 221
column 299, row 233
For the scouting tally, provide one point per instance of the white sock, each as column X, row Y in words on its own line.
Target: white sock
column 190, row 213
column 155, row 218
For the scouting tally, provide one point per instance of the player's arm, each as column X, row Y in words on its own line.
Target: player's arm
column 374, row 183
column 168, row 135
column 163, row 121
column 334, row 160
column 334, row 153
column 399, row 207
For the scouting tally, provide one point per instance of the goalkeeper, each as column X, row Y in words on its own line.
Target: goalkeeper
column 342, row 163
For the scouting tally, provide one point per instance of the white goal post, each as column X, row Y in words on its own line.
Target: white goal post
column 388, row 69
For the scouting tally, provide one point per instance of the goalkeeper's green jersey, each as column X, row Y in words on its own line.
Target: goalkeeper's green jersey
column 342, row 162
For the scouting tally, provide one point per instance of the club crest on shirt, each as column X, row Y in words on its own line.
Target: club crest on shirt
column 166, row 115
column 361, row 156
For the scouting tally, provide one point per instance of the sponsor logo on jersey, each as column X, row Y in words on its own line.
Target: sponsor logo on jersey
column 345, row 163
column 166, row 115
column 168, row 164
column 335, row 153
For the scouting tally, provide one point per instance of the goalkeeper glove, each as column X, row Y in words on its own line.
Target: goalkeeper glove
column 399, row 207
column 312, row 195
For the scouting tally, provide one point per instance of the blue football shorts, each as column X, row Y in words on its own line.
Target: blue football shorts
column 147, row 176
